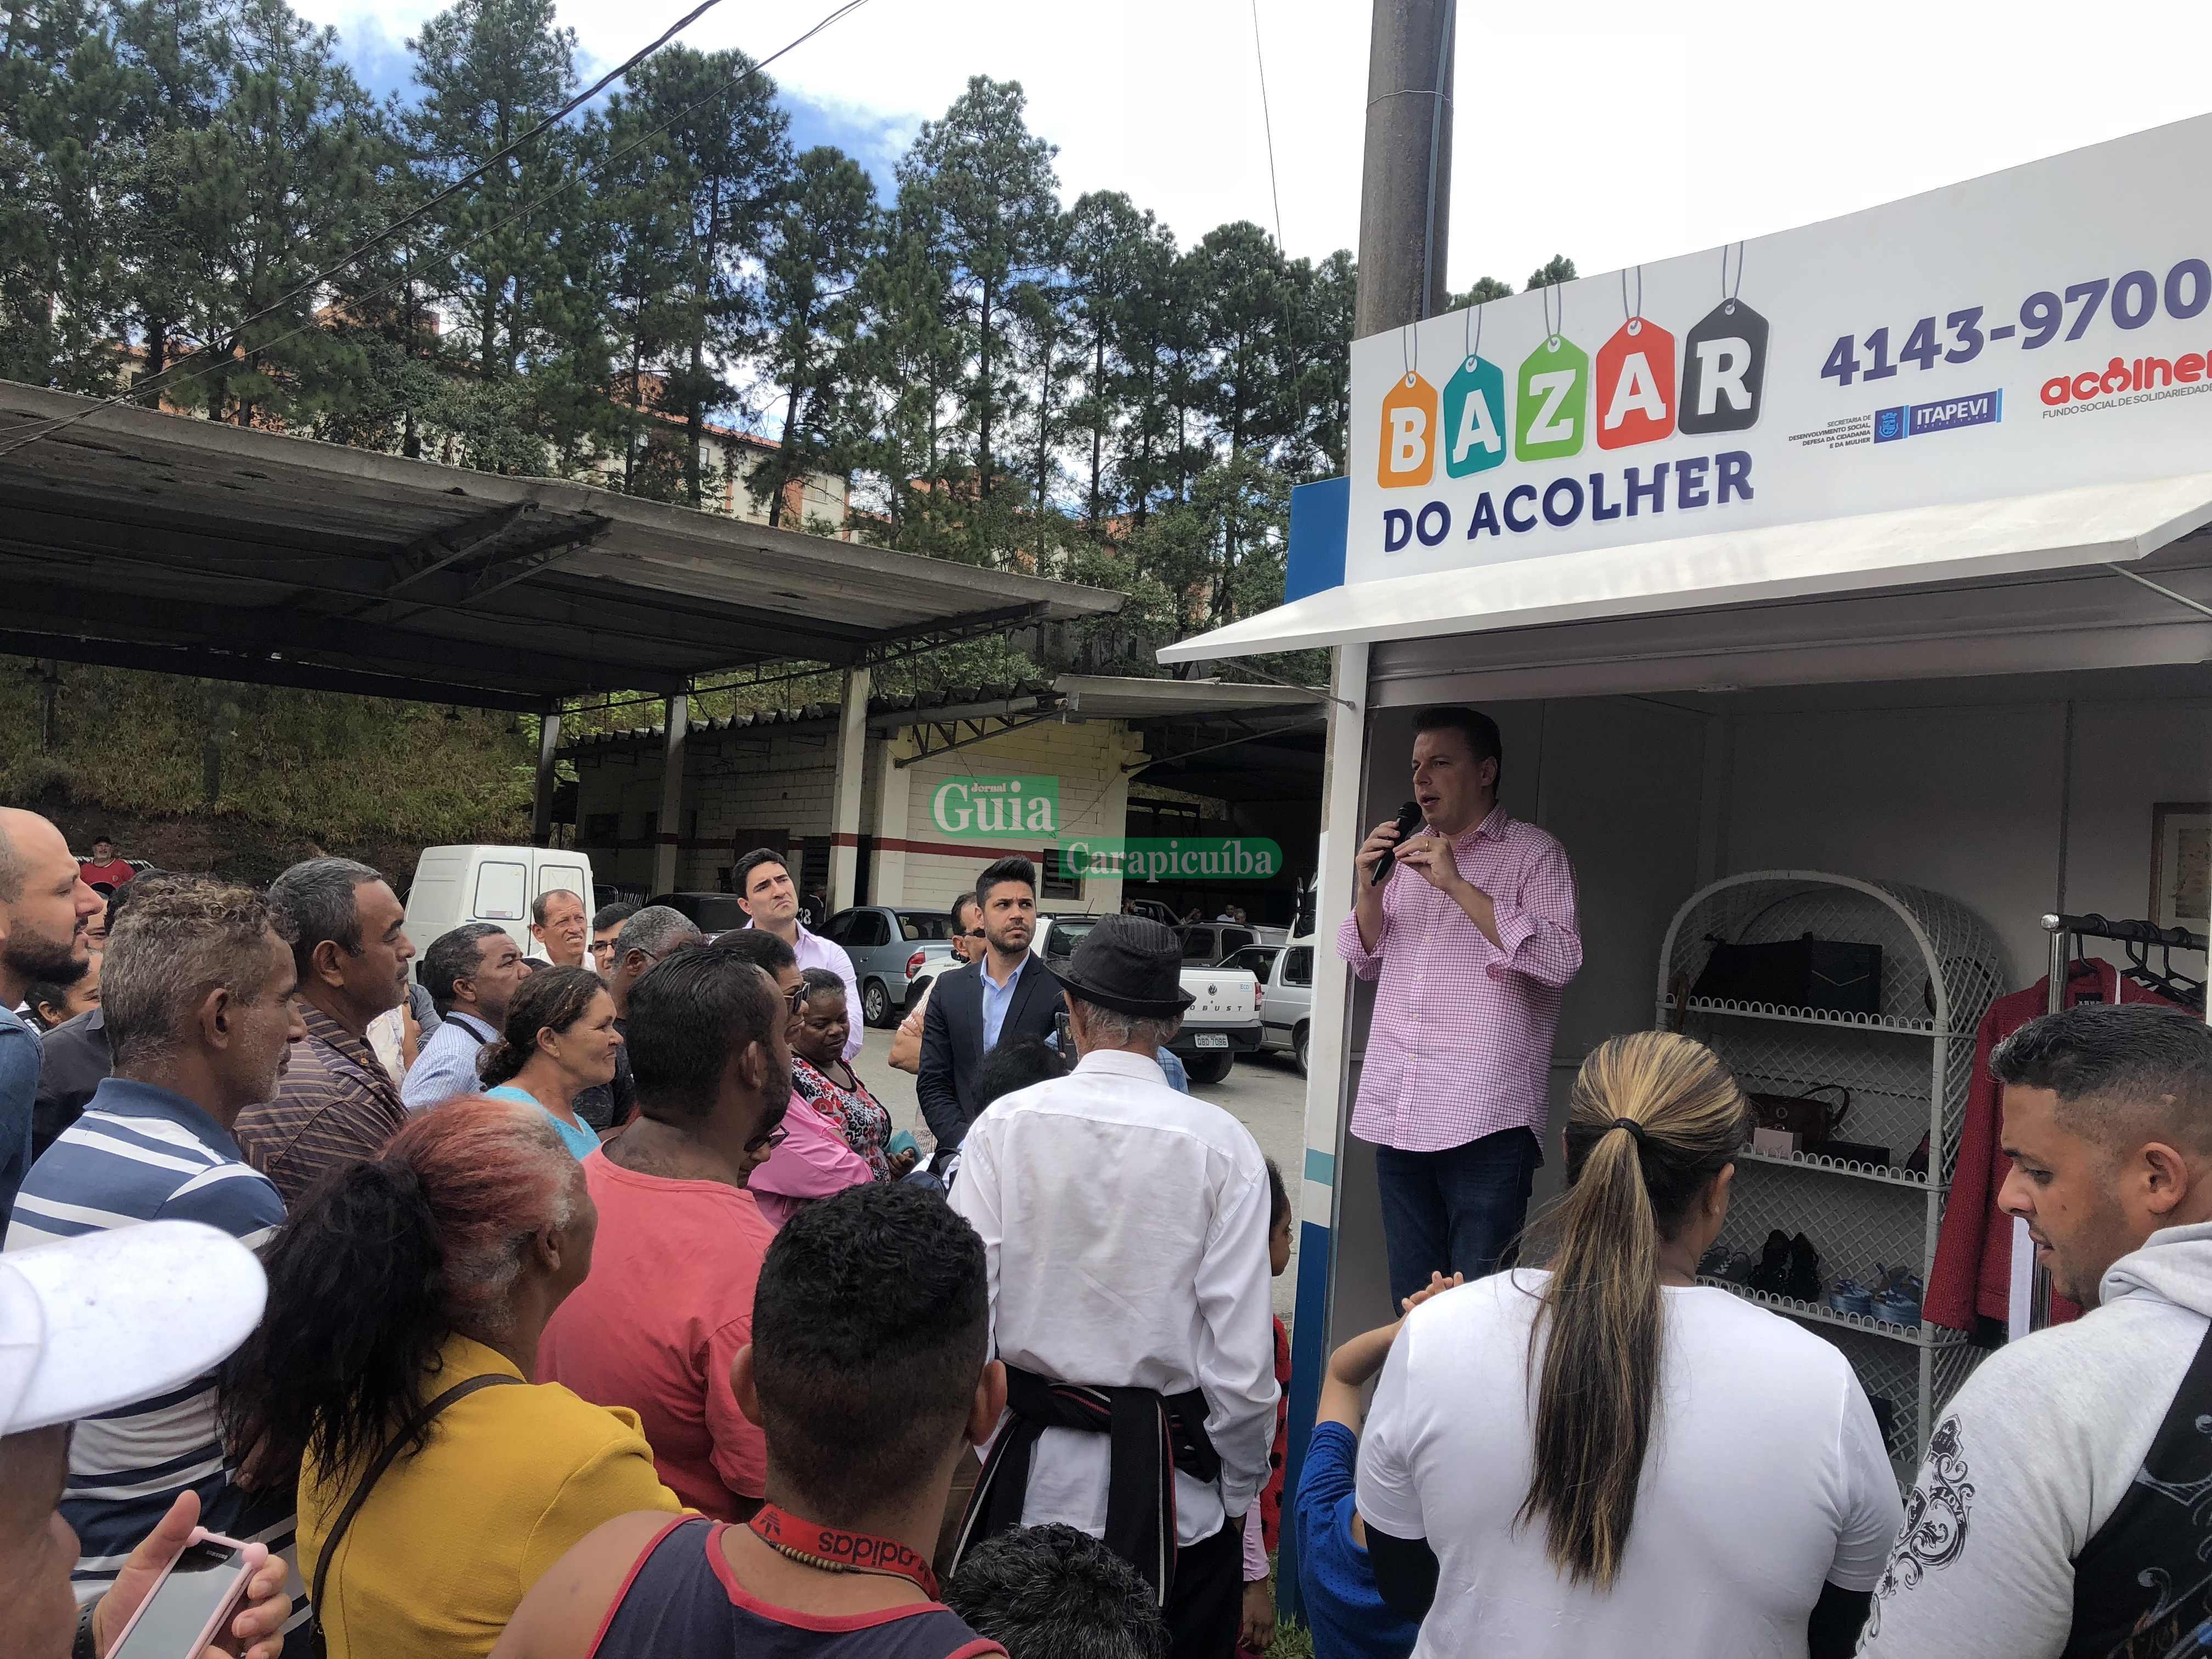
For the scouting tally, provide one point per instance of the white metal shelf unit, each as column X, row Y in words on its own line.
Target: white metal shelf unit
column 1907, row 1067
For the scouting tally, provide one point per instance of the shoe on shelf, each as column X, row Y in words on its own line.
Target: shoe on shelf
column 1713, row 1264
column 1802, row 1276
column 1851, row 1296
column 1772, row 1275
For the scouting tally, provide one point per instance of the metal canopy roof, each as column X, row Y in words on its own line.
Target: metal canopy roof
column 1975, row 541
column 155, row 541
column 1107, row 698
column 1234, row 742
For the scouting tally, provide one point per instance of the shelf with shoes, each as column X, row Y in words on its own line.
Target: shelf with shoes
column 1921, row 1334
column 1809, row 1233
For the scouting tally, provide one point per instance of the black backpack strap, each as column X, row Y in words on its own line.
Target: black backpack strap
column 385, row 1459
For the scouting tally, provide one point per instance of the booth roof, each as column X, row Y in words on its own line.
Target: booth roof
column 157, row 541
column 2116, row 523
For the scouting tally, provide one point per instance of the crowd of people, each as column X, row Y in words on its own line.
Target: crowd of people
column 621, row 1321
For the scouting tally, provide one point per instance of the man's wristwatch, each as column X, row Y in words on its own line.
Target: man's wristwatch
column 85, row 1646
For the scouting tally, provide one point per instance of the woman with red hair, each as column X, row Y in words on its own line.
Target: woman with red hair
column 402, row 1293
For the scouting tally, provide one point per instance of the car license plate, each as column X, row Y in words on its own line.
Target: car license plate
column 1213, row 1039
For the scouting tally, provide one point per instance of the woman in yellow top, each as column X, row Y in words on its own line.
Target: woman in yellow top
column 392, row 1282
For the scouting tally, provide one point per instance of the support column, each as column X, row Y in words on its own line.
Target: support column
column 670, row 825
column 894, row 784
column 845, row 799
column 1320, row 1196
column 541, row 806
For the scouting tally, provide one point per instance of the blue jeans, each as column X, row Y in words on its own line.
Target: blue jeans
column 1455, row 1210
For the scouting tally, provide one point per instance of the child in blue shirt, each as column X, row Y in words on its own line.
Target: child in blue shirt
column 1347, row 1612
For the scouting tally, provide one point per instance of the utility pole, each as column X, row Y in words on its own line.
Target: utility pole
column 1405, row 192
column 1405, row 184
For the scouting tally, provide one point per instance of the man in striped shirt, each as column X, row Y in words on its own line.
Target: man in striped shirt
column 198, row 987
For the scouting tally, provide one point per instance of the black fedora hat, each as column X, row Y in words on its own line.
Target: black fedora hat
column 1130, row 964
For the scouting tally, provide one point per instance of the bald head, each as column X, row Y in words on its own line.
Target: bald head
column 25, row 840
column 44, row 906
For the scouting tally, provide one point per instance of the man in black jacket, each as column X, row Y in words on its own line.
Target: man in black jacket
column 1008, row 993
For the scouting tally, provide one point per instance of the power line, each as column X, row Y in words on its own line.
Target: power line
column 139, row 387
column 1267, row 125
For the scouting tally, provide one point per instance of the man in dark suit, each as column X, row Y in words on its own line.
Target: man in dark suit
column 1007, row 993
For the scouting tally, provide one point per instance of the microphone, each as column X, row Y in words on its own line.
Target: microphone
column 1409, row 816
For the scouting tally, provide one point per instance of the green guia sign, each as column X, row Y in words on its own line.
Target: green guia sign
column 990, row 809
column 1028, row 810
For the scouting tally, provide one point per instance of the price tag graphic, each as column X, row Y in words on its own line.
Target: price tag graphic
column 1409, row 434
column 1550, row 404
column 1723, row 368
column 1475, row 417
column 1635, row 386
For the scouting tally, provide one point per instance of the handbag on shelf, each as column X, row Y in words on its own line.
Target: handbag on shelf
column 1808, row 1116
column 1841, row 976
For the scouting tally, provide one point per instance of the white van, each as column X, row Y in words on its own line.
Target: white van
column 454, row 885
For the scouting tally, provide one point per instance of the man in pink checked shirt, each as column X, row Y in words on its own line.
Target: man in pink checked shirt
column 1472, row 938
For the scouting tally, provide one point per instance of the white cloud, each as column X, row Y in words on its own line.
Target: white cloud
column 1611, row 131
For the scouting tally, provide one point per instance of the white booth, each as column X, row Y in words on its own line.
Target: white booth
column 1854, row 586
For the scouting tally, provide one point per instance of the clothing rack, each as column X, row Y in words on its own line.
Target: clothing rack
column 2028, row 1306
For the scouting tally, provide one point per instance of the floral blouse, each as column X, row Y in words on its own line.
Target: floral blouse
column 863, row 1121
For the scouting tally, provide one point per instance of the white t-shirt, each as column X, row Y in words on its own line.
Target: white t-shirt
column 1766, row 1477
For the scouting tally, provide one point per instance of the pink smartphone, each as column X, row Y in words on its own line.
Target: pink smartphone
column 198, row 1596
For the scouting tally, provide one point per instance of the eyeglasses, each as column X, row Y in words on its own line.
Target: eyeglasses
column 975, row 932
column 795, row 998
column 768, row 1142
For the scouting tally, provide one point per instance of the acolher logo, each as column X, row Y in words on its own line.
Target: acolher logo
column 2125, row 375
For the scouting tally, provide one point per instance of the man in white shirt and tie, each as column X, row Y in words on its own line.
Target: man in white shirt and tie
column 1125, row 1229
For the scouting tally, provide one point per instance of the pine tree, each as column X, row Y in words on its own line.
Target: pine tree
column 726, row 143
column 65, row 139
column 276, row 184
column 490, row 71
column 982, row 187
column 1108, row 243
column 826, row 230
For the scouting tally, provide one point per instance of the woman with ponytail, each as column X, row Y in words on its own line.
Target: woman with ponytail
column 420, row 1280
column 1603, row 1456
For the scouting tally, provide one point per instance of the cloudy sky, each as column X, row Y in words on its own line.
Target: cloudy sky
column 1610, row 131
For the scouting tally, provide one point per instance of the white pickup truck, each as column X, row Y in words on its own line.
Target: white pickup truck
column 1221, row 1022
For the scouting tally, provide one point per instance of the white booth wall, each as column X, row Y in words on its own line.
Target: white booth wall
column 2014, row 794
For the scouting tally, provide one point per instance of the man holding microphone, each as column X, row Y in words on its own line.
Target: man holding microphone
column 1472, row 934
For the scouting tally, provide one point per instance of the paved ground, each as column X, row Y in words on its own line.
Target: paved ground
column 1265, row 1093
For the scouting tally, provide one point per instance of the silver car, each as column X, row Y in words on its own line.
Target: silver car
column 1285, row 976
column 894, row 950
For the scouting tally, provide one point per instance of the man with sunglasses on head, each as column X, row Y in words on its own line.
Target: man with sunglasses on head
column 967, row 946
column 670, row 1298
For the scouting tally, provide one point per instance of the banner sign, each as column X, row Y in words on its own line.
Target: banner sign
column 1180, row 858
column 989, row 809
column 2033, row 331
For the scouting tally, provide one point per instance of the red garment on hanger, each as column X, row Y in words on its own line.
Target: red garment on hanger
column 1972, row 1270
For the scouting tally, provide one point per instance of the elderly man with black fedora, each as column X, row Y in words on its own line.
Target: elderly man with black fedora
column 1126, row 1227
